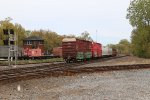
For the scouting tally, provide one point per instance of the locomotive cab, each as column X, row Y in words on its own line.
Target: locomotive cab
column 33, row 47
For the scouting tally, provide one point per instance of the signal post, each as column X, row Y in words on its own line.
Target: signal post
column 10, row 41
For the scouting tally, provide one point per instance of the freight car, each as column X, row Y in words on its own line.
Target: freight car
column 76, row 50
column 114, row 52
column 72, row 50
column 57, row 52
column 96, row 50
column 33, row 47
column 107, row 51
column 5, row 49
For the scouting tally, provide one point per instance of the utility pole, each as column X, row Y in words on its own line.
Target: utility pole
column 96, row 35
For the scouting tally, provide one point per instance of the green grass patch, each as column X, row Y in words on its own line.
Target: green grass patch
column 21, row 62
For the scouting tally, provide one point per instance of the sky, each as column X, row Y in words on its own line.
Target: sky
column 105, row 20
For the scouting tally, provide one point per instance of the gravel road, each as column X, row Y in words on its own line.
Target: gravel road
column 116, row 85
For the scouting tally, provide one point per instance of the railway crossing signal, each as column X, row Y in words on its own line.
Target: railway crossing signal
column 5, row 31
column 11, row 42
column 8, row 31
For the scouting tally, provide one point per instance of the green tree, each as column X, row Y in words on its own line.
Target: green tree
column 51, row 39
column 85, row 36
column 139, row 13
column 21, row 34
column 19, row 30
column 124, row 47
column 139, row 18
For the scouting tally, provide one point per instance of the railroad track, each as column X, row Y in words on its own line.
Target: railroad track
column 18, row 74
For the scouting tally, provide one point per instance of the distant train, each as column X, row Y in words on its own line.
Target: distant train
column 72, row 50
column 33, row 48
column 107, row 51
column 78, row 50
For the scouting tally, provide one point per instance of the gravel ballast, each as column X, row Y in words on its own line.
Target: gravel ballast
column 116, row 85
column 110, row 85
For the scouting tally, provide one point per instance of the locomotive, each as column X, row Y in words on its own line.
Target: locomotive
column 33, row 47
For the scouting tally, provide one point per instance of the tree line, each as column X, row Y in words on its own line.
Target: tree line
column 51, row 39
column 139, row 17
column 138, row 14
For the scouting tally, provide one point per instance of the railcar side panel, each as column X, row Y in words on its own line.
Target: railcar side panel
column 75, row 49
column 106, row 51
column 96, row 50
column 57, row 51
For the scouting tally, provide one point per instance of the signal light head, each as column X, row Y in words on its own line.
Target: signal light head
column 12, row 42
column 5, row 31
column 8, row 31
column 5, row 42
column 12, row 31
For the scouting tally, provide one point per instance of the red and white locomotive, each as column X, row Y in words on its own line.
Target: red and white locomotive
column 33, row 47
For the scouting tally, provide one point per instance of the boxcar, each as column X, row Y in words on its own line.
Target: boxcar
column 114, row 52
column 75, row 49
column 4, row 52
column 57, row 52
column 96, row 50
column 106, row 51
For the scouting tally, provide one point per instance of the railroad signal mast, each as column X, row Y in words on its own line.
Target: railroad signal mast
column 10, row 41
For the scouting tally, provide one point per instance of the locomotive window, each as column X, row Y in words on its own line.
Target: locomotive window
column 40, row 42
column 29, row 42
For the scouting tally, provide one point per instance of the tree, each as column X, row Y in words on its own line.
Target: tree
column 139, row 13
column 141, row 43
column 85, row 36
column 124, row 46
column 19, row 30
column 139, row 18
column 21, row 34
column 51, row 39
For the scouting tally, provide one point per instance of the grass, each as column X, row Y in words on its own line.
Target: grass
column 21, row 62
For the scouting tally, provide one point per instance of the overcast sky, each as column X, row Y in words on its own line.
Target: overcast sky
column 108, row 17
